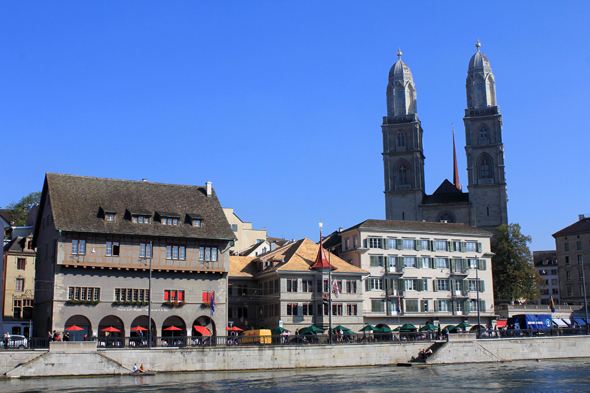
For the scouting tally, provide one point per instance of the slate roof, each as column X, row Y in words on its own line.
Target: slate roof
column 18, row 245
column 446, row 193
column 581, row 226
column 420, row 226
column 540, row 256
column 79, row 204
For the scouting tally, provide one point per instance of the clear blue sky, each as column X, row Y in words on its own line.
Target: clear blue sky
column 279, row 104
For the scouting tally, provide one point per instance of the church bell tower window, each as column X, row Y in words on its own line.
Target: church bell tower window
column 401, row 139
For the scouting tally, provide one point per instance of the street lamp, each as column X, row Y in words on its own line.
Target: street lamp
column 149, row 334
column 585, row 300
column 329, row 289
column 477, row 257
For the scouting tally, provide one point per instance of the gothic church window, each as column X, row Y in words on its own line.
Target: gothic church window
column 483, row 132
column 402, row 176
column 485, row 168
column 401, row 139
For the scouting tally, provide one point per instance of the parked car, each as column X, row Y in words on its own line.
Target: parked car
column 14, row 341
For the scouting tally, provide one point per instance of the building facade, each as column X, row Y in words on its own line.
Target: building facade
column 290, row 286
column 573, row 253
column 546, row 264
column 403, row 154
column 245, row 235
column 18, row 289
column 97, row 240
column 422, row 272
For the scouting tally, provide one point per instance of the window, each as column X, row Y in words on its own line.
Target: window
column 472, row 286
column 145, row 250
column 306, row 286
column 569, row 291
column 579, row 245
column 141, row 219
column 566, row 246
column 401, row 139
column 409, row 262
column 208, row 254
column 347, row 244
column 411, row 305
column 291, row 285
column 171, row 295
column 441, row 245
column 78, row 246
column 375, row 284
column 485, row 170
column 446, row 218
column 243, row 312
column 169, row 221
column 354, row 244
column 425, row 245
column 377, row 305
column 442, row 263
column 410, row 285
column 567, row 260
column 20, row 284
column 20, row 263
column 326, row 286
column 376, row 260
column 83, row 293
column 112, row 249
column 444, row 305
column 579, row 259
column 442, row 285
column 17, row 309
column 483, row 132
column 471, row 246
column 554, row 272
column 292, row 309
column 351, row 309
column 234, row 227
column 110, row 217
column 554, row 281
column 568, row 276
column 580, row 274
column 402, row 175
column 473, row 264
column 337, row 309
column 555, row 291
column 350, row 286
column 409, row 244
column 375, row 242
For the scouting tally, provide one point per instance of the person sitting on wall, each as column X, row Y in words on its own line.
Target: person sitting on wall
column 135, row 369
column 142, row 369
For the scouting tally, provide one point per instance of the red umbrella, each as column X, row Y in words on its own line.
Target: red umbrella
column 110, row 329
column 138, row 328
column 74, row 328
column 203, row 330
column 235, row 329
column 172, row 328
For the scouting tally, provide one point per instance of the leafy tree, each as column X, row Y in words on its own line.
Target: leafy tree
column 20, row 210
column 514, row 274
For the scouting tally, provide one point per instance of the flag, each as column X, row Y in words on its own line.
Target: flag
column 335, row 288
column 552, row 304
column 212, row 303
column 399, row 305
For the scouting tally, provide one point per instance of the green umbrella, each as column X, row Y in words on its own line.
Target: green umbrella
column 367, row 328
column 345, row 330
column 278, row 330
column 450, row 328
column 463, row 325
column 429, row 328
column 311, row 330
column 407, row 328
column 383, row 329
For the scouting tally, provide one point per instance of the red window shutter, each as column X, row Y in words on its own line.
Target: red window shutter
column 209, row 296
column 173, row 294
column 180, row 296
column 204, row 297
column 166, row 296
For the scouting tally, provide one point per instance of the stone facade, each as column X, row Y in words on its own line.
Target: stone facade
column 403, row 156
column 546, row 264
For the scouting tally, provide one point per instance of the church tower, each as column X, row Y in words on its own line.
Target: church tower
column 403, row 156
column 484, row 147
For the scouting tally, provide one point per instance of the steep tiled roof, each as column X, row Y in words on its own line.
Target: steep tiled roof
column 18, row 245
column 540, row 256
column 79, row 204
column 241, row 266
column 420, row 226
column 301, row 255
column 581, row 226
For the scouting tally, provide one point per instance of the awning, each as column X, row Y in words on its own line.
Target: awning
column 580, row 321
column 559, row 322
column 501, row 324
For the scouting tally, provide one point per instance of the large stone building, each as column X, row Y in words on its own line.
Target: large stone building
column 96, row 240
column 291, row 285
column 422, row 272
column 572, row 244
column 546, row 264
column 18, row 288
column 403, row 154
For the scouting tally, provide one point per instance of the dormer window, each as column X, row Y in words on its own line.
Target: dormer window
column 169, row 221
column 109, row 217
column 141, row 219
column 197, row 223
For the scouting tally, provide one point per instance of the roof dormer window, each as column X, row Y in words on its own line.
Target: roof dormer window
column 141, row 219
column 109, row 217
column 169, row 221
column 197, row 223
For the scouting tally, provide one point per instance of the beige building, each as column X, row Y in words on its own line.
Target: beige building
column 422, row 272
column 18, row 285
column 290, row 285
column 246, row 236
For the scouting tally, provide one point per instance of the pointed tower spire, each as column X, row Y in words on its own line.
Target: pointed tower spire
column 321, row 261
column 455, row 169
column 399, row 53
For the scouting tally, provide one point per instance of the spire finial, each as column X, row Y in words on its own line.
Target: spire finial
column 477, row 44
column 453, row 127
column 399, row 53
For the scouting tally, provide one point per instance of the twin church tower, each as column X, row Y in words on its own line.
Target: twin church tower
column 484, row 205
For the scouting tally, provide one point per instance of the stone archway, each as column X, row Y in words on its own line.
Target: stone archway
column 111, row 321
column 80, row 321
column 140, row 337
column 206, row 321
column 173, row 331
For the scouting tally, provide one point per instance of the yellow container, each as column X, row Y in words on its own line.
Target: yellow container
column 260, row 336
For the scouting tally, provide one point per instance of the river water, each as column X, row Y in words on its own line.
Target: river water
column 521, row 376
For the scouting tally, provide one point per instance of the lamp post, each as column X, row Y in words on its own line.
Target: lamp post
column 585, row 300
column 329, row 290
column 149, row 333
column 477, row 286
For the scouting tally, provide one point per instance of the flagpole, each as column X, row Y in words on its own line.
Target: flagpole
column 330, row 298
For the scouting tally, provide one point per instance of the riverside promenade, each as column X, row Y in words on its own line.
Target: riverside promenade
column 84, row 358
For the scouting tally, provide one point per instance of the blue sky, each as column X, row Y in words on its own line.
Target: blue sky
column 279, row 104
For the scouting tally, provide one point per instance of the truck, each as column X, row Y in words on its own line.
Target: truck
column 530, row 321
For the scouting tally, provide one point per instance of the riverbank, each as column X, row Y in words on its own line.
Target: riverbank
column 66, row 360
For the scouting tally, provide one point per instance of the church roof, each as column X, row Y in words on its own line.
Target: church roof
column 479, row 61
column 400, row 71
column 581, row 226
column 446, row 193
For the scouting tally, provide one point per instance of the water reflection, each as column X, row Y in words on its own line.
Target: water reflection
column 559, row 375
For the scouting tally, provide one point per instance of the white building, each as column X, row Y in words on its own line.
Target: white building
column 243, row 231
column 434, row 272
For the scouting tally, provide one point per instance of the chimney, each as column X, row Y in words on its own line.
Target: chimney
column 340, row 229
column 143, row 179
column 580, row 217
column 209, row 192
column 273, row 246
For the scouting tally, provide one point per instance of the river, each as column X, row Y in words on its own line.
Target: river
column 522, row 376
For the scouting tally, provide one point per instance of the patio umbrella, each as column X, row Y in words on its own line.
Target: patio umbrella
column 74, row 328
column 234, row 329
column 463, row 325
column 450, row 328
column 429, row 328
column 278, row 330
column 138, row 328
column 408, row 328
column 383, row 329
column 172, row 329
column 311, row 330
column 345, row 330
column 110, row 329
column 203, row 330
column 367, row 328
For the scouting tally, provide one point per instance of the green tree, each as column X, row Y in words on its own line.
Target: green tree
column 514, row 274
column 20, row 210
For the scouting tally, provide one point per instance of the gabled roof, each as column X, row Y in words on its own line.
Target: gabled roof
column 446, row 193
column 241, row 267
column 79, row 204
column 580, row 226
column 417, row 226
column 18, row 245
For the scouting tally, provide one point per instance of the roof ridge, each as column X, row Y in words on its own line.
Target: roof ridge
column 123, row 180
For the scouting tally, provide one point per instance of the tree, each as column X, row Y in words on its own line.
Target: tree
column 512, row 265
column 20, row 210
